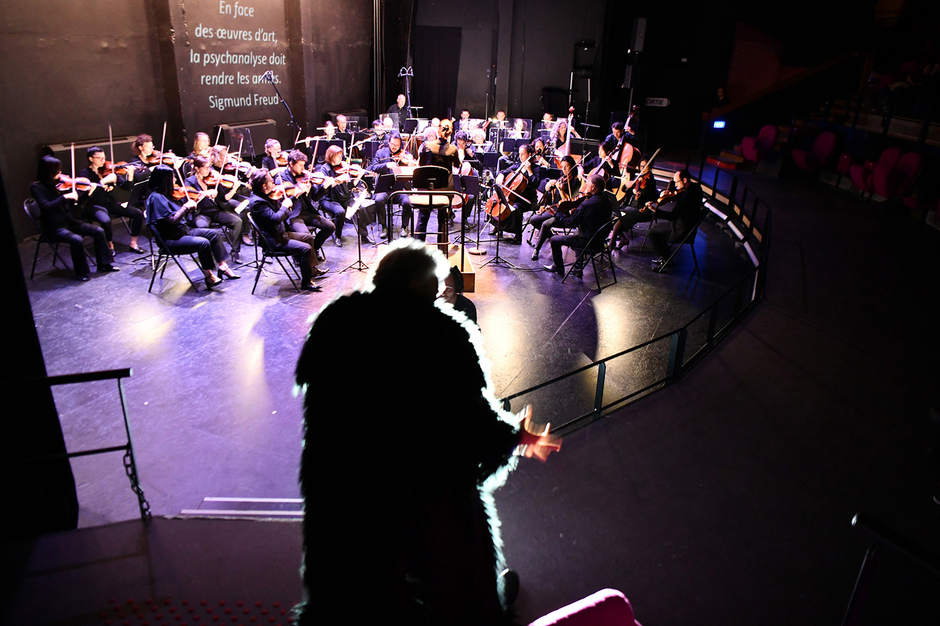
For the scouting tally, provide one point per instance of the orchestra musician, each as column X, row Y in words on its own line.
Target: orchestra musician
column 466, row 154
column 464, row 122
column 100, row 206
column 169, row 218
column 519, row 130
column 559, row 138
column 398, row 111
column 592, row 215
column 59, row 221
column 215, row 204
column 270, row 215
column 603, row 164
column 235, row 199
column 688, row 197
column 528, row 199
column 144, row 158
column 200, row 148
column 306, row 215
column 335, row 194
column 564, row 189
column 342, row 126
column 273, row 161
column 642, row 191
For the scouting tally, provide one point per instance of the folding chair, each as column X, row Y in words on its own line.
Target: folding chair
column 689, row 238
column 163, row 255
column 33, row 213
column 596, row 247
column 267, row 252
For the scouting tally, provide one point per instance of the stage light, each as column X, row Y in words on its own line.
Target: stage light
column 718, row 124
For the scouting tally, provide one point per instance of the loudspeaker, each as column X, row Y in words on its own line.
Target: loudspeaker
column 639, row 34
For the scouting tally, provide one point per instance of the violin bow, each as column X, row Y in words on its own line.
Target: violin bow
column 163, row 139
column 73, row 166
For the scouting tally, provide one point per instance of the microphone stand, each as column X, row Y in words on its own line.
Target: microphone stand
column 269, row 76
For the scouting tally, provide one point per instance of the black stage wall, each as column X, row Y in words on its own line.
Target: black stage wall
column 69, row 69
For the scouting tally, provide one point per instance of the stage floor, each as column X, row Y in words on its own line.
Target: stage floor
column 725, row 498
column 211, row 399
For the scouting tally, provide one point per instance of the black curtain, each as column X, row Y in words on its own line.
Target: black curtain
column 436, row 63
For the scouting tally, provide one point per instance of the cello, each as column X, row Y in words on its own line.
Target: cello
column 515, row 184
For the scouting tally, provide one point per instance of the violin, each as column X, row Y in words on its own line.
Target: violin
column 66, row 184
column 666, row 196
column 354, row 170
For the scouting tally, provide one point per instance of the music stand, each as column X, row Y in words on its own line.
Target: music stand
column 468, row 185
column 498, row 260
column 240, row 135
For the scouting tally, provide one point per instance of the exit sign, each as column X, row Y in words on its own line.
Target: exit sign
column 657, row 102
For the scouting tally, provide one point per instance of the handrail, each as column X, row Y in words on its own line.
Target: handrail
column 130, row 462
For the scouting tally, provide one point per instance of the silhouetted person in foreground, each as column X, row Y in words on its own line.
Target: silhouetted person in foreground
column 401, row 455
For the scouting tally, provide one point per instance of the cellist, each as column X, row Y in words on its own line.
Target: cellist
column 525, row 201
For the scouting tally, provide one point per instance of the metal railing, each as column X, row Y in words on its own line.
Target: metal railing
column 130, row 464
column 663, row 359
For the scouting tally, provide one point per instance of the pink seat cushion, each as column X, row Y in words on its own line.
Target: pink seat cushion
column 607, row 607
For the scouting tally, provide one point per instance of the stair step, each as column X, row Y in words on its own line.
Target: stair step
column 731, row 157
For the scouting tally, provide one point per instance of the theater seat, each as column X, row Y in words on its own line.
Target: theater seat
column 757, row 148
column 819, row 155
column 863, row 175
column 607, row 607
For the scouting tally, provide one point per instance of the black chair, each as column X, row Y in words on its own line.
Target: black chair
column 596, row 248
column 33, row 213
column 427, row 179
column 688, row 238
column 267, row 252
column 164, row 255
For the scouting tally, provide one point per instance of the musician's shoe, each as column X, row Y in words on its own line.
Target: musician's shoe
column 309, row 287
column 512, row 239
column 318, row 273
column 338, row 242
column 577, row 272
column 660, row 263
column 384, row 233
column 366, row 238
column 535, row 255
column 135, row 250
column 230, row 276
column 82, row 279
column 320, row 255
column 405, row 232
column 107, row 267
column 551, row 268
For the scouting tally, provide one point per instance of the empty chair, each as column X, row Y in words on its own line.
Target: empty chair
column 607, row 607
column 863, row 175
column 757, row 148
column 819, row 155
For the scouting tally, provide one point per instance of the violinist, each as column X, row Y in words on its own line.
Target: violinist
column 466, row 154
column 308, row 216
column 273, row 160
column 100, row 206
column 592, row 215
column 335, row 193
column 642, row 191
column 200, row 148
column 391, row 154
column 171, row 220
column 270, row 215
column 528, row 199
column 688, row 197
column 59, row 221
column 557, row 192
column 144, row 158
column 213, row 202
